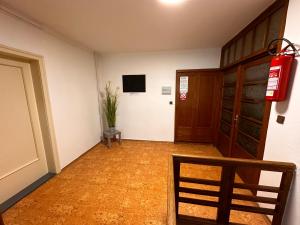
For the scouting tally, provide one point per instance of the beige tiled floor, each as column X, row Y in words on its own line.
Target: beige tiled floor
column 126, row 185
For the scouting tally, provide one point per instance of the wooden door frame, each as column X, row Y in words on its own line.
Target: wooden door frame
column 41, row 89
column 218, row 104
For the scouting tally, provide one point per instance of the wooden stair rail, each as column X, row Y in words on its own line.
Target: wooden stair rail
column 1, row 220
column 227, row 185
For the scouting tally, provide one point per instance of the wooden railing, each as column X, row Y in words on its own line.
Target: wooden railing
column 1, row 220
column 227, row 185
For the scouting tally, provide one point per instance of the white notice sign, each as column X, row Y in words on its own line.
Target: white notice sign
column 184, row 84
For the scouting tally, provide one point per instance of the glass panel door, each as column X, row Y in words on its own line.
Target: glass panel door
column 229, row 89
column 253, row 115
column 227, row 112
column 253, row 110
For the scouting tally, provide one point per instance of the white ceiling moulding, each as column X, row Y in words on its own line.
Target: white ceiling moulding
column 5, row 8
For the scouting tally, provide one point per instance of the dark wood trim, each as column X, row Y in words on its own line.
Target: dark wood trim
column 249, row 58
column 198, row 70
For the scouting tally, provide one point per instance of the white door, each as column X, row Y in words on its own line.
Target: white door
column 22, row 154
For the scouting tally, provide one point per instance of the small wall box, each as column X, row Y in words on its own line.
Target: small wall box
column 166, row 90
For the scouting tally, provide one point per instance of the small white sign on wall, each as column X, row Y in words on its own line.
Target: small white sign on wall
column 166, row 90
column 184, row 84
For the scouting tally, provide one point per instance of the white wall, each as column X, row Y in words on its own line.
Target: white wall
column 283, row 140
column 71, row 79
column 148, row 116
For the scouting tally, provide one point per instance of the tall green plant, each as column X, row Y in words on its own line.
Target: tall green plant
column 110, row 105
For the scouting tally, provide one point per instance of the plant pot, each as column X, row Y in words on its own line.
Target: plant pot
column 112, row 129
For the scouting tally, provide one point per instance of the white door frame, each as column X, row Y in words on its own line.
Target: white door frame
column 38, row 70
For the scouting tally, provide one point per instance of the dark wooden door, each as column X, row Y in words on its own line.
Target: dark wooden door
column 196, row 115
column 228, row 110
column 252, row 116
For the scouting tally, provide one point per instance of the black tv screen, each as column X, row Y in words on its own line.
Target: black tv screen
column 134, row 83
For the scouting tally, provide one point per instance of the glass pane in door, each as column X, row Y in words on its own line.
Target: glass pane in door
column 229, row 89
column 253, row 110
column 229, row 78
column 255, row 92
column 250, row 128
column 257, row 72
column 225, row 128
column 229, row 92
column 226, row 116
column 228, row 104
column 248, row 144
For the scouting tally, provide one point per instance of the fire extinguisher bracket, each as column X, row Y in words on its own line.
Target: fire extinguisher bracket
column 285, row 50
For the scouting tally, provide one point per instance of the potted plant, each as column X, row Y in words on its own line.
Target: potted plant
column 110, row 104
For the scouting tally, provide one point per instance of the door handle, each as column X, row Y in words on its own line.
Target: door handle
column 236, row 118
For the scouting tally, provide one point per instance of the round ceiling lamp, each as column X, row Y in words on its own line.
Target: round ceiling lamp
column 172, row 2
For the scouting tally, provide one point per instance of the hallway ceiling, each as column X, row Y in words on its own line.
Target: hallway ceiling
column 142, row 25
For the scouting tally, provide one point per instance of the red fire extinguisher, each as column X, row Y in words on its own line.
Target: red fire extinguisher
column 280, row 71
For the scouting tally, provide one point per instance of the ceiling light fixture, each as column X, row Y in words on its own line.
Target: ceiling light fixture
column 172, row 2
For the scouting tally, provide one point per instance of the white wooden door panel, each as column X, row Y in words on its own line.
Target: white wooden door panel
column 22, row 155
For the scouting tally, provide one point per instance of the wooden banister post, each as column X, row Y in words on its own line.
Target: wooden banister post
column 226, row 191
column 285, row 185
column 1, row 220
column 176, row 172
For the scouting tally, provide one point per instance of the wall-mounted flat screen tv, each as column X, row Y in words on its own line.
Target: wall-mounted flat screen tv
column 134, row 83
